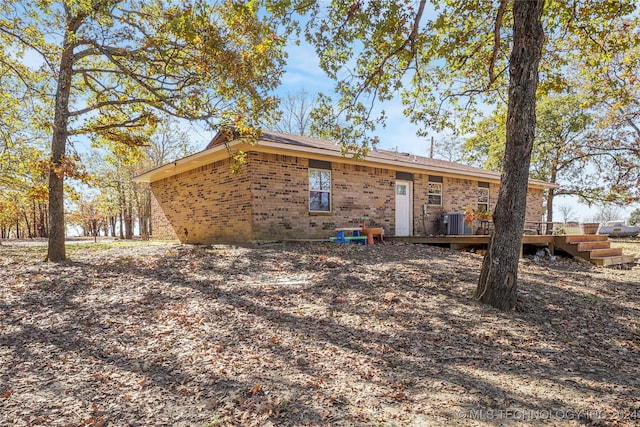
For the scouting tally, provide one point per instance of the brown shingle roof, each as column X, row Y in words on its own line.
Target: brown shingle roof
column 411, row 160
column 323, row 147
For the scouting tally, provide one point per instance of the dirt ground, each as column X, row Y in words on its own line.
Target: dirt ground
column 312, row 334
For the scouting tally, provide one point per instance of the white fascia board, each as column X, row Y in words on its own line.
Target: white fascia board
column 207, row 156
column 182, row 165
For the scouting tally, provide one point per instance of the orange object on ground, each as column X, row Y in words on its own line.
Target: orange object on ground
column 370, row 232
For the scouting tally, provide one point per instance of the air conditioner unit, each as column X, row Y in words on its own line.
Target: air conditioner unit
column 456, row 224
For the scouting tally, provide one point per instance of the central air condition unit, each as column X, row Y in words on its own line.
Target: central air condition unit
column 456, row 224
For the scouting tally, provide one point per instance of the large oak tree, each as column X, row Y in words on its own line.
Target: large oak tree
column 445, row 60
column 598, row 164
column 106, row 67
column 23, row 190
column 499, row 276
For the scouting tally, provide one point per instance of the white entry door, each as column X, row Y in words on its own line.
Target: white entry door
column 404, row 208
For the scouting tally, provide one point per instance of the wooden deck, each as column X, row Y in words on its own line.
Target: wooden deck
column 594, row 248
column 466, row 241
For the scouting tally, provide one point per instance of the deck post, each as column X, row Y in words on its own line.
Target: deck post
column 521, row 250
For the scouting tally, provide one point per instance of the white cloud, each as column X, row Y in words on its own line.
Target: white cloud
column 303, row 71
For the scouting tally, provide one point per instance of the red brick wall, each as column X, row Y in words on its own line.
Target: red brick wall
column 209, row 202
column 279, row 196
column 280, row 189
column 270, row 201
column 364, row 191
column 535, row 205
column 457, row 194
column 160, row 225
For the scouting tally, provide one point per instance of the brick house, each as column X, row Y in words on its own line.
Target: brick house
column 299, row 187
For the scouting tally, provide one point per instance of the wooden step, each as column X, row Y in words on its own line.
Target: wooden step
column 594, row 248
column 588, row 246
column 613, row 260
column 580, row 238
column 603, row 253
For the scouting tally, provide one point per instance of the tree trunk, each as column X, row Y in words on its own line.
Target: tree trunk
column 143, row 226
column 94, row 229
column 128, row 221
column 121, row 229
column 56, row 250
column 42, row 222
column 144, row 212
column 112, row 223
column 35, row 219
column 499, row 276
column 122, row 206
column 550, row 196
column 27, row 223
column 552, row 193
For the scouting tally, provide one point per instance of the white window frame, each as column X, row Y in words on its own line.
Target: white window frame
column 434, row 185
column 483, row 198
column 314, row 190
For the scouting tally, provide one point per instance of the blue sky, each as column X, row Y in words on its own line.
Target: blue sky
column 303, row 72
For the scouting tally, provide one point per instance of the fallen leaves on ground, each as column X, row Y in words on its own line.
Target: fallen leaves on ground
column 310, row 335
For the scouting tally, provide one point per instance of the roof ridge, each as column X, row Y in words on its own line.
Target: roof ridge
column 379, row 153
